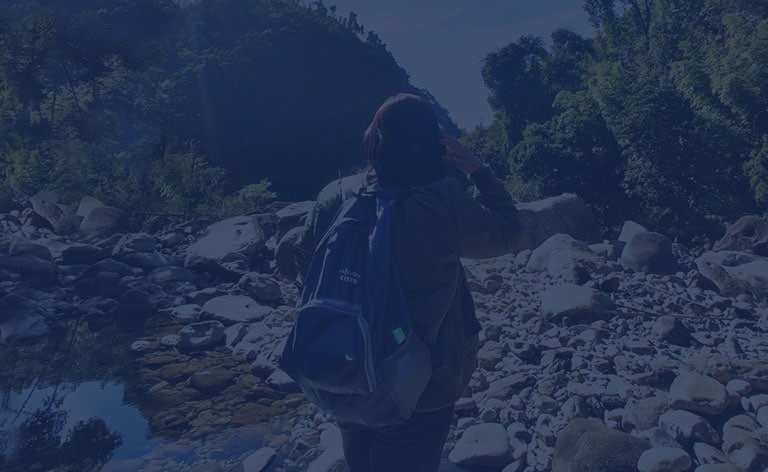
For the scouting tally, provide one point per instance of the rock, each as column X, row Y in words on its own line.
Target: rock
column 292, row 216
column 103, row 221
column 87, row 205
column 134, row 242
column 736, row 273
column 717, row 468
column 261, row 287
column 235, row 309
column 587, row 444
column 577, row 303
column 22, row 247
column 629, row 229
column 645, row 413
column 202, row 335
column 505, row 387
column 83, row 254
column 664, row 459
column 482, row 445
column 171, row 275
column 561, row 255
column 279, row 380
column 240, row 234
column 698, row 394
column 259, row 460
column 565, row 214
column 707, row 454
column 670, row 329
column 651, row 253
column 34, row 271
column 62, row 217
column 212, row 380
column 747, row 234
column 135, row 302
column 22, row 327
column 332, row 458
column 740, row 445
column 190, row 311
column 753, row 371
column 688, row 427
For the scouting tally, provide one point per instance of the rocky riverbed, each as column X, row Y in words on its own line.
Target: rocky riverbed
column 620, row 355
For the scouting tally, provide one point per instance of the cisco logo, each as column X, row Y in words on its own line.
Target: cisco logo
column 349, row 276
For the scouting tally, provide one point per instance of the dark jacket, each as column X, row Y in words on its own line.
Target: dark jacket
column 433, row 227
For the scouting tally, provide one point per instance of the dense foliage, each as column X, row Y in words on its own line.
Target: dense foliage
column 185, row 107
column 662, row 117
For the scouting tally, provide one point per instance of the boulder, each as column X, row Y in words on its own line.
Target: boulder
column 561, row 255
column 698, row 394
column 259, row 460
column 292, row 216
column 235, row 309
column 588, row 444
column 61, row 216
column 664, row 459
column 482, row 445
column 579, row 304
column 103, row 221
column 736, row 273
column 747, row 234
column 202, row 335
column 22, row 247
column 566, row 214
column 22, row 327
column 651, row 253
column 261, row 287
column 629, row 229
column 240, row 235
column 687, row 427
column 36, row 272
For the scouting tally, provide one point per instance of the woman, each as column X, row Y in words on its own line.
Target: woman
column 434, row 225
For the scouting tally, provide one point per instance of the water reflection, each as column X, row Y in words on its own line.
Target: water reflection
column 72, row 427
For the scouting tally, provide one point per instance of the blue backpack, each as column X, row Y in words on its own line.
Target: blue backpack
column 352, row 349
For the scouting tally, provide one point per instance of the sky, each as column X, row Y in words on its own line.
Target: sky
column 442, row 43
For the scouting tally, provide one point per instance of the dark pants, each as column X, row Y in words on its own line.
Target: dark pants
column 416, row 446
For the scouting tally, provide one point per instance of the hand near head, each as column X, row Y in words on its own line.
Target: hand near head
column 459, row 156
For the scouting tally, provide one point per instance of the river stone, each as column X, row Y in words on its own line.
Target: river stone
column 261, row 287
column 698, row 394
column 259, row 460
column 718, row 468
column 241, row 234
column 587, row 444
column 577, row 303
column 168, row 275
column 748, row 234
column 87, row 205
column 135, row 242
column 651, row 253
column 754, row 371
column 212, row 380
column 564, row 214
column 83, row 254
column 664, row 459
column 235, row 309
column 688, row 427
column 332, row 457
column 670, row 329
column 629, row 229
column 560, row 254
column 202, row 335
column 736, row 273
column 482, row 445
column 505, row 387
column 61, row 216
column 37, row 272
column 740, row 445
column 22, row 247
column 708, row 454
column 103, row 221
column 22, row 327
column 292, row 216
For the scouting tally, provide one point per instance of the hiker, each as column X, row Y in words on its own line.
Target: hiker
column 434, row 225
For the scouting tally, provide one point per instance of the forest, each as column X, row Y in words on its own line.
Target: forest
column 220, row 107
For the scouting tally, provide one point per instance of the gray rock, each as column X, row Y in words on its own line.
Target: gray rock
column 482, row 445
column 707, row 454
column 259, row 460
column 22, row 247
column 505, row 387
column 718, row 468
column 235, row 309
column 22, row 327
column 736, row 273
column 748, row 234
column 587, row 444
column 261, row 287
column 61, row 216
column 698, row 394
column 240, row 234
column 292, row 216
column 629, row 229
column 565, row 214
column 645, row 413
column 651, row 253
column 83, row 254
column 171, row 275
column 103, row 221
column 670, row 329
column 37, row 272
column 202, row 335
column 725, row 369
column 560, row 255
column 688, row 427
column 577, row 303
column 740, row 444
column 664, row 459
column 87, row 205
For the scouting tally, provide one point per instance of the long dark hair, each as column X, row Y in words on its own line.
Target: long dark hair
column 402, row 143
